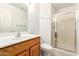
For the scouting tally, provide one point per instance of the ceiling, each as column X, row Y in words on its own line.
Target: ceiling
column 61, row 5
column 57, row 6
column 20, row 5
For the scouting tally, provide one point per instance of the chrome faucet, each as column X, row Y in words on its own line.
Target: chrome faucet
column 18, row 34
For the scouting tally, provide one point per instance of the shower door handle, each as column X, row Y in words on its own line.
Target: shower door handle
column 55, row 34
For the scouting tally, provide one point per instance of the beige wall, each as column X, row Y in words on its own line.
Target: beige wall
column 33, row 18
column 46, row 13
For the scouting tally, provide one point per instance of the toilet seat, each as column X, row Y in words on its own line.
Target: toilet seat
column 46, row 47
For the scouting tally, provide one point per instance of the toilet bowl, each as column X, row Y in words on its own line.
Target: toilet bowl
column 47, row 50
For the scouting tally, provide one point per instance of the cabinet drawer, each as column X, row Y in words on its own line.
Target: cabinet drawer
column 14, row 49
column 34, row 41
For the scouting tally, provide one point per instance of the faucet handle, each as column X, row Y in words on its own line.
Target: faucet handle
column 18, row 34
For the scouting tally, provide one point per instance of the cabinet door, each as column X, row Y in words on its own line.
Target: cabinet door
column 35, row 50
column 24, row 53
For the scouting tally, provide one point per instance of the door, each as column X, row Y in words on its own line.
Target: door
column 65, row 29
column 35, row 50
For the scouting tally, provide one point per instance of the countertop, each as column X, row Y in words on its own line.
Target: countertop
column 7, row 41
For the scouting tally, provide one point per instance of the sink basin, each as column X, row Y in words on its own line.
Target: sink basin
column 18, row 38
column 7, row 37
column 22, row 37
column 13, row 38
column 10, row 40
column 27, row 35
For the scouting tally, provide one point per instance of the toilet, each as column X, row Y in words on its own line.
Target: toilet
column 47, row 50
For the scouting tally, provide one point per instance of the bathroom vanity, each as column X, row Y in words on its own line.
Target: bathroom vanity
column 22, row 47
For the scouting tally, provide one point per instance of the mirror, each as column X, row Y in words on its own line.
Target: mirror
column 13, row 17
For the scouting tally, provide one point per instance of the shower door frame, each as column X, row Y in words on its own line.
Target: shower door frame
column 54, row 38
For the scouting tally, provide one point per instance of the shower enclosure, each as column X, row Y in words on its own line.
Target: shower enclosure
column 64, row 33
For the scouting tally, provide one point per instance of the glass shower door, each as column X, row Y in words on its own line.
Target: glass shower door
column 65, row 29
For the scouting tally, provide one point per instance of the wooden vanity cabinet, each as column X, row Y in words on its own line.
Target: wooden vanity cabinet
column 25, row 48
column 23, row 54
